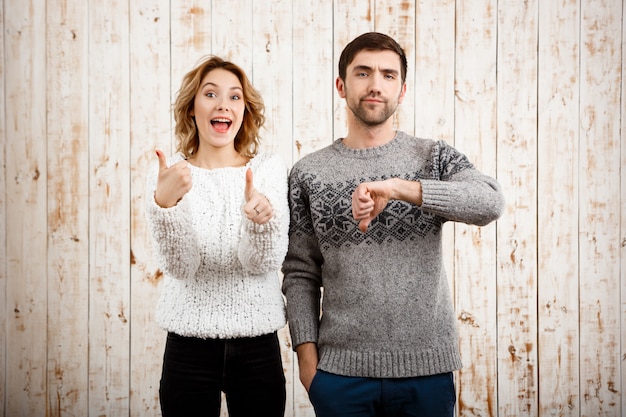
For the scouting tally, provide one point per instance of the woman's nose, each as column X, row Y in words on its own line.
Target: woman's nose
column 223, row 105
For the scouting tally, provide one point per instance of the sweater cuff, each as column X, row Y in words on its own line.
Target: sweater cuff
column 168, row 219
column 435, row 196
column 301, row 332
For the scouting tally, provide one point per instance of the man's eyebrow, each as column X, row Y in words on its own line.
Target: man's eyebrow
column 368, row 68
column 362, row 68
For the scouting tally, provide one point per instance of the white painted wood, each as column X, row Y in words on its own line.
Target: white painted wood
column 68, row 209
column 109, row 223
column 623, row 221
column 475, row 250
column 231, row 37
column 434, row 70
column 87, row 89
column 557, row 188
column 397, row 19
column 314, row 79
column 4, row 311
column 26, row 226
column 517, row 229
column 272, row 75
column 600, row 110
column 150, row 129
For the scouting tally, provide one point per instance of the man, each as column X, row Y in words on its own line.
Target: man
column 366, row 221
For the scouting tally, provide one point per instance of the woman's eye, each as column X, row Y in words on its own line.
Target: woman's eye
column 235, row 97
column 211, row 94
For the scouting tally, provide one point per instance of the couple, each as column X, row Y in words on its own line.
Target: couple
column 360, row 219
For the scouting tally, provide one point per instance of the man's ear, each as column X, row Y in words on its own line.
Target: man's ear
column 402, row 93
column 341, row 88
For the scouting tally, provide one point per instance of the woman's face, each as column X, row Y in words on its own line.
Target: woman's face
column 219, row 108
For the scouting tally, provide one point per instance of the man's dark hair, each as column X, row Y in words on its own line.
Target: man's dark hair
column 371, row 41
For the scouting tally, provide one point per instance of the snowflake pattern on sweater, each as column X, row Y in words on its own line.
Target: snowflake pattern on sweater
column 387, row 310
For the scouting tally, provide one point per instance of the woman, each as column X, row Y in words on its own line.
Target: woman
column 219, row 217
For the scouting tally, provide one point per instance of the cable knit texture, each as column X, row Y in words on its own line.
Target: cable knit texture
column 221, row 269
column 387, row 309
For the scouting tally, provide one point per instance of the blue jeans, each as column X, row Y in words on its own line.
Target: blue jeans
column 196, row 371
column 427, row 396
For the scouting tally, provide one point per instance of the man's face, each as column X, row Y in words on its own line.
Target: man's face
column 373, row 87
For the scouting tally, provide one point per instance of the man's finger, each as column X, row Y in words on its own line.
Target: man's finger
column 364, row 224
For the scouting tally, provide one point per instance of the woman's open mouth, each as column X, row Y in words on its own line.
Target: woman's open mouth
column 221, row 124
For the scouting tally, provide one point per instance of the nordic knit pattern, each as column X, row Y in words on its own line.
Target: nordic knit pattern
column 387, row 309
column 221, row 269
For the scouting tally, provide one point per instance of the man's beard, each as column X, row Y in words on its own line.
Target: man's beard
column 370, row 117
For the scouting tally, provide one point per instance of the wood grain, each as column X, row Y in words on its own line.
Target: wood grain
column 475, row 273
column 109, row 208
column 68, row 209
column 532, row 92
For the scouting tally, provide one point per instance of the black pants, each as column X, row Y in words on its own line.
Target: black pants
column 248, row 370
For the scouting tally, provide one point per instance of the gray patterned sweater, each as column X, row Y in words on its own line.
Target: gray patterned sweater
column 387, row 308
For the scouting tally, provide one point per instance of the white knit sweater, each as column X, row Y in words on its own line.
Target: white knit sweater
column 221, row 269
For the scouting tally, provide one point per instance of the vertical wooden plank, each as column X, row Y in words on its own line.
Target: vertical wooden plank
column 190, row 33
column 600, row 111
column 475, row 255
column 434, row 70
column 622, row 216
column 68, row 208
column 26, row 225
column 150, row 130
column 234, row 45
column 314, row 78
column 434, row 90
column 109, row 223
column 313, row 92
column 272, row 49
column 397, row 19
column 557, row 188
column 517, row 229
column 4, row 311
column 351, row 18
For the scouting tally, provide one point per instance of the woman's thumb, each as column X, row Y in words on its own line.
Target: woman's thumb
column 162, row 160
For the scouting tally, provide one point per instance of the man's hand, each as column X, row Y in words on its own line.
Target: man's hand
column 173, row 182
column 370, row 198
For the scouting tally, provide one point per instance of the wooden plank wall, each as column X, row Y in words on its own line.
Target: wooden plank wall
column 533, row 92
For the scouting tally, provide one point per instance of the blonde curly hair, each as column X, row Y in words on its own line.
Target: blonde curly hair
column 247, row 140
